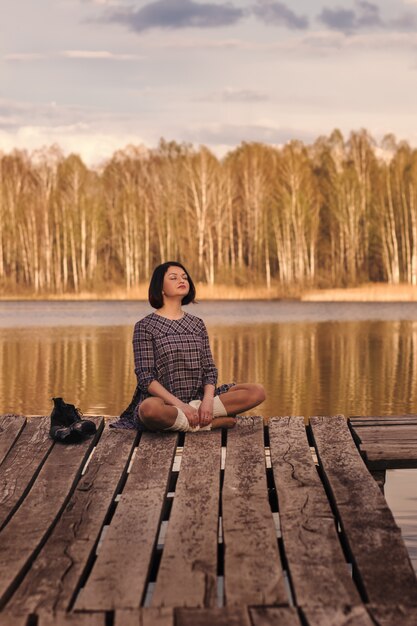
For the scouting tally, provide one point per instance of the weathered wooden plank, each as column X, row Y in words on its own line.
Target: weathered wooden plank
column 119, row 575
column 370, row 418
column 389, row 432
column 337, row 616
column 318, row 569
column 28, row 529
column 22, row 464
column 54, row 576
column 408, row 418
column 144, row 617
column 253, row 570
column 409, row 444
column 394, row 433
column 274, row 616
column 187, row 574
column 389, row 425
column 380, row 477
column 227, row 616
column 386, row 423
column 10, row 428
column 393, row 615
column 10, row 618
column 382, row 458
column 71, row 619
column 381, row 560
column 391, row 446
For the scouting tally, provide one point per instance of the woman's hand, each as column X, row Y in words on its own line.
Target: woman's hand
column 205, row 411
column 191, row 414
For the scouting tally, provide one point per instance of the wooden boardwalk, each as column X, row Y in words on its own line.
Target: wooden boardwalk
column 387, row 442
column 255, row 526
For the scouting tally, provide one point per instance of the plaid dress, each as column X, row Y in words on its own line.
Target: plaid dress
column 177, row 354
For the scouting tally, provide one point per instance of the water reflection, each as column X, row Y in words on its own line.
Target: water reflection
column 400, row 494
column 366, row 367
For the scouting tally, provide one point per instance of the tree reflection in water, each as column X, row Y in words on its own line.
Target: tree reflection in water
column 361, row 367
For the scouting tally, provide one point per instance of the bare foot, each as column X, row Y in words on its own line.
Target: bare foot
column 223, row 422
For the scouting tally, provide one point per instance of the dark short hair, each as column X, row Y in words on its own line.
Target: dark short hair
column 157, row 281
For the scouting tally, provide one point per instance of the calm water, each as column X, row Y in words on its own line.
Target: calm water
column 312, row 358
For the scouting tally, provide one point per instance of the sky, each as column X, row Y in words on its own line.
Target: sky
column 94, row 76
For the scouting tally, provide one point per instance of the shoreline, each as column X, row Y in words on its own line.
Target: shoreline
column 371, row 292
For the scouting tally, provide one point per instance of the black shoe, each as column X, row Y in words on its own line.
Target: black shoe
column 65, row 434
column 66, row 423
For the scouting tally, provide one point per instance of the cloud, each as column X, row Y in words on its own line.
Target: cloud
column 93, row 145
column 233, row 134
column 406, row 22
column 365, row 16
column 338, row 19
column 99, row 55
column 368, row 15
column 91, row 55
column 235, row 95
column 174, row 14
column 279, row 14
column 14, row 113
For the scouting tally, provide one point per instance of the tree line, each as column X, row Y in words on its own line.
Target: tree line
column 334, row 213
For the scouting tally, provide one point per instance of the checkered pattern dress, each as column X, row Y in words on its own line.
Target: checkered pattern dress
column 177, row 354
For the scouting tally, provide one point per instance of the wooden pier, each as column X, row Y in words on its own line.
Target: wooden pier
column 256, row 526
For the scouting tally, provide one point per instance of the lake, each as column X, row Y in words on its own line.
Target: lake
column 312, row 358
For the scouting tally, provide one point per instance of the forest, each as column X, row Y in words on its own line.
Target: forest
column 336, row 213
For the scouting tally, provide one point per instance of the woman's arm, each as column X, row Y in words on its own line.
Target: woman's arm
column 205, row 410
column 209, row 368
column 144, row 357
column 158, row 390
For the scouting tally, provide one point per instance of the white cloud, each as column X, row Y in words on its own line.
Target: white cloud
column 231, row 94
column 92, row 145
column 233, row 134
column 90, row 55
column 99, row 55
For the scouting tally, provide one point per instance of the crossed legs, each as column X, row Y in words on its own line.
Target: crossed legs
column 156, row 415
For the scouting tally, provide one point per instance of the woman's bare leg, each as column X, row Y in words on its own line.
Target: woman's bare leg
column 242, row 397
column 156, row 415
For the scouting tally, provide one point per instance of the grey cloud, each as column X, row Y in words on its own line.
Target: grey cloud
column 338, row 19
column 406, row 23
column 15, row 114
column 366, row 15
column 173, row 14
column 279, row 14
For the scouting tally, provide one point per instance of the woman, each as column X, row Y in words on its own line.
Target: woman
column 174, row 366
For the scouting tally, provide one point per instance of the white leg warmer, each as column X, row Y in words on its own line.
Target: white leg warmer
column 182, row 423
column 219, row 410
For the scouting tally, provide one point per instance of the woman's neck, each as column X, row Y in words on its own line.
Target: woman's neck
column 171, row 311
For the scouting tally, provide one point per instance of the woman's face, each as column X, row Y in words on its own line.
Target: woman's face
column 175, row 282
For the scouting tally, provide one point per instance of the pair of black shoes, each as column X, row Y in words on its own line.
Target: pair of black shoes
column 67, row 425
